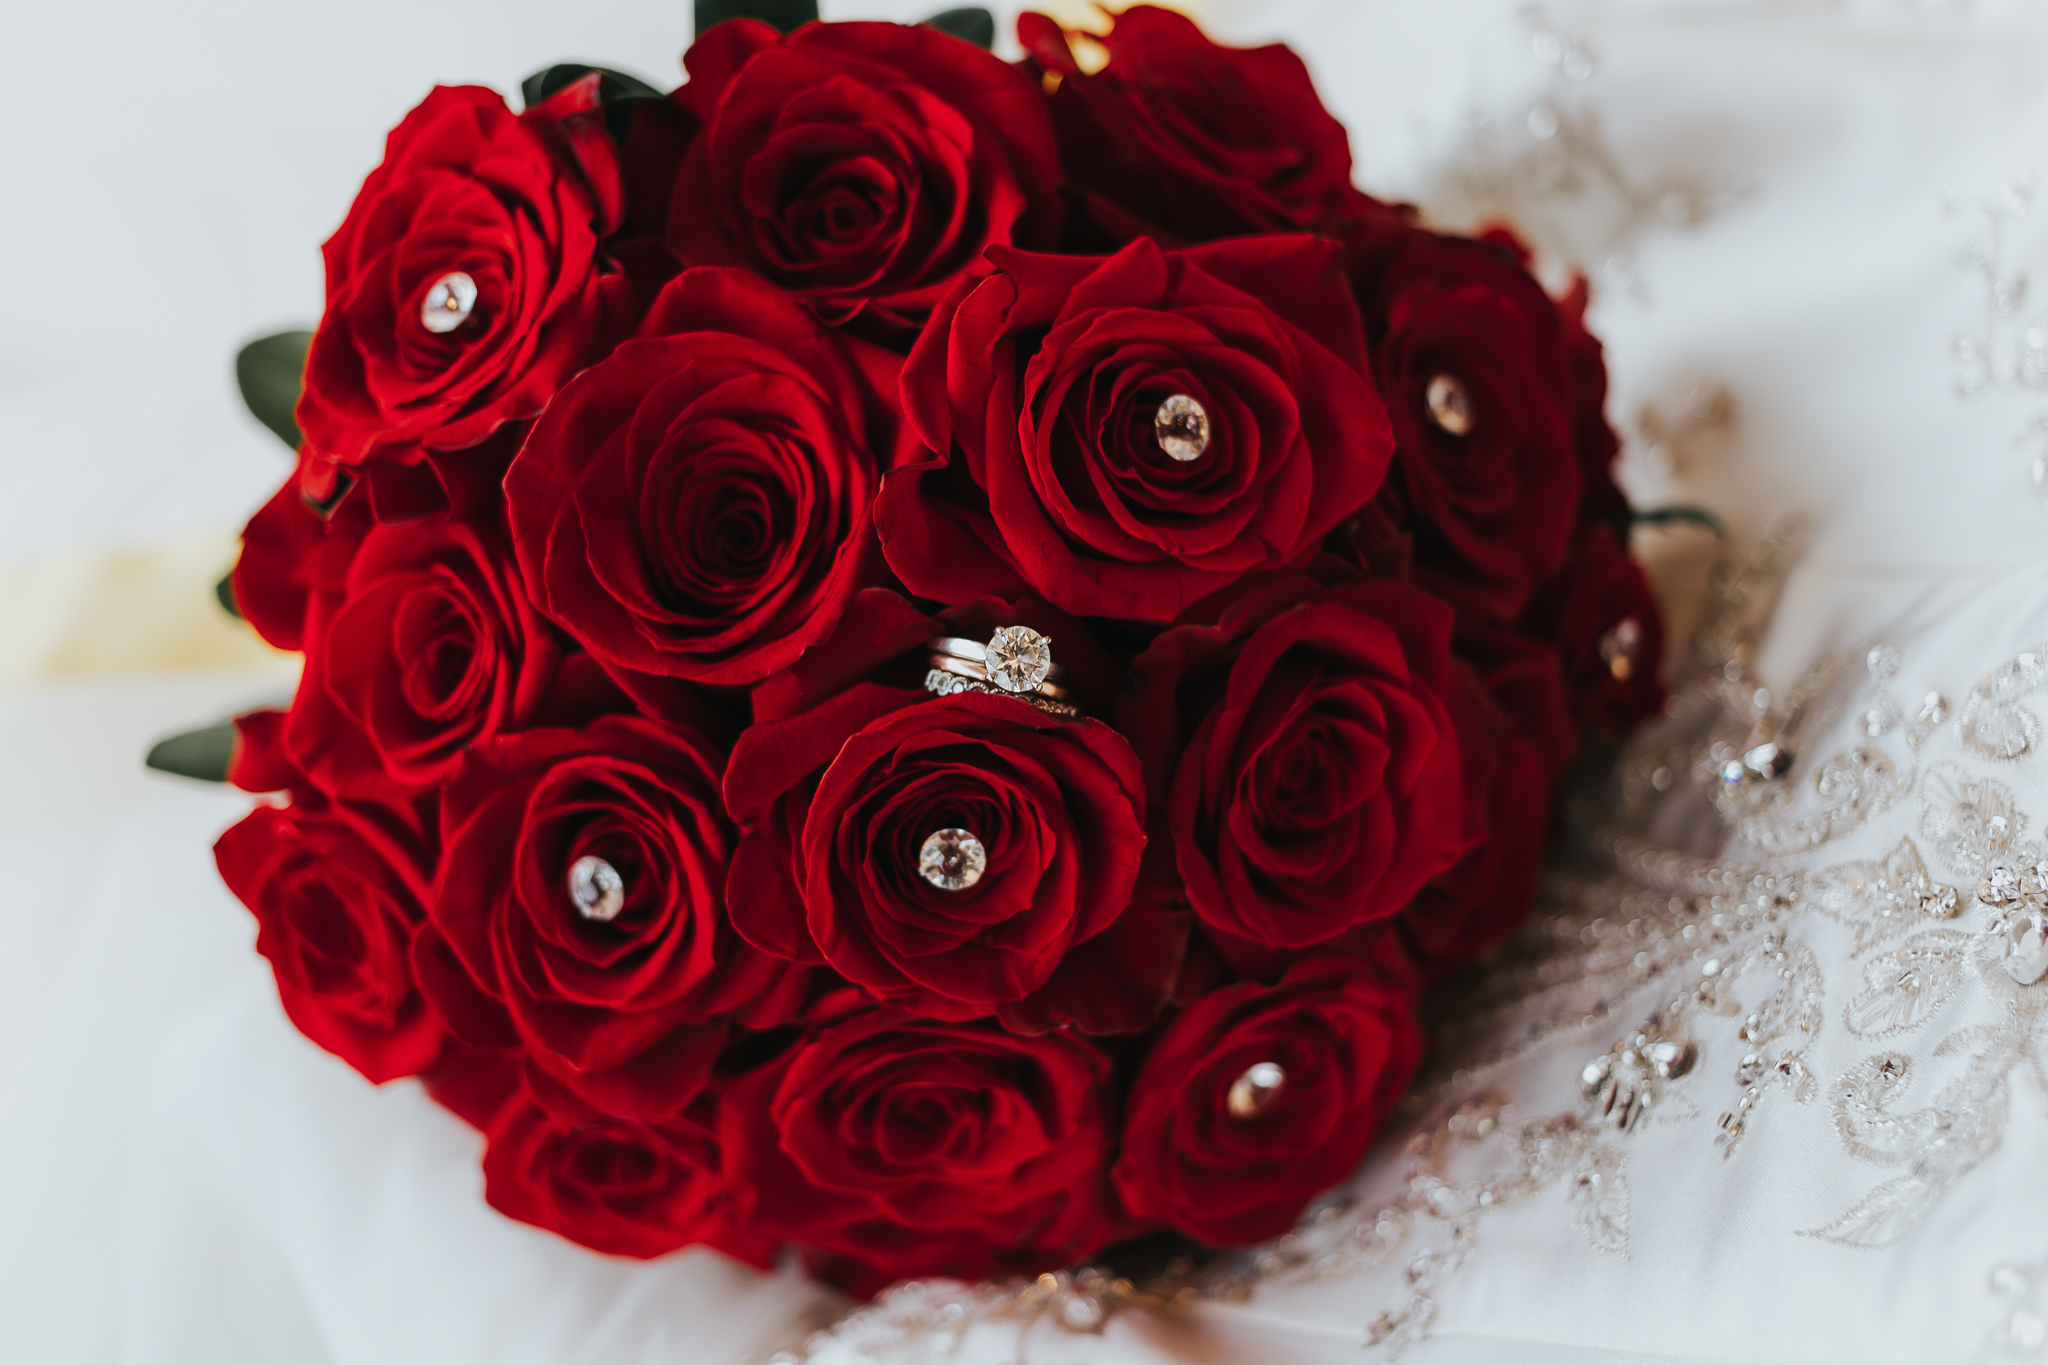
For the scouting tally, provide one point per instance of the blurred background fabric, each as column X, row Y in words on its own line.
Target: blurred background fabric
column 1790, row 211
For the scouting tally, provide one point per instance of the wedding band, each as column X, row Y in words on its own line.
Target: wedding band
column 942, row 684
column 964, row 668
column 976, row 653
column 1016, row 662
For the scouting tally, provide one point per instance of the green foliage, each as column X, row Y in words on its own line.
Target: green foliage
column 269, row 371
column 784, row 14
column 542, row 85
column 972, row 24
column 198, row 754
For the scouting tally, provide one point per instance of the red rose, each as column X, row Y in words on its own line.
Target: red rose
column 1320, row 784
column 1180, row 135
column 1521, row 736
column 862, row 167
column 1038, row 389
column 1228, row 1151
column 290, row 553
column 337, row 892
column 624, row 994
column 428, row 647
column 1472, row 357
column 699, row 504
column 1046, row 933
column 464, row 287
column 912, row 1147
column 1603, row 619
column 615, row 1185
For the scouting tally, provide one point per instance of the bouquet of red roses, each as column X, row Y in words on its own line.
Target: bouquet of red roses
column 916, row 657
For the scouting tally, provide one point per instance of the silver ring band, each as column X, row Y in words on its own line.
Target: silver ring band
column 946, row 684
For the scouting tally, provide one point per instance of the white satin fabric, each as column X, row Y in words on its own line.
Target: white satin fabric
column 1762, row 190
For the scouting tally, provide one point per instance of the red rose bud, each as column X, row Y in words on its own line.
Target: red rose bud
column 1258, row 1098
column 337, row 893
column 1474, row 361
column 463, row 289
column 862, row 167
column 890, row 1146
column 699, row 504
column 582, row 896
column 1308, row 760
column 1193, row 140
column 1125, row 436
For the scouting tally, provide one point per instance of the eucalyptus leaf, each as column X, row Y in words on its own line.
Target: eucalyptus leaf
column 199, row 754
column 269, row 371
column 224, row 593
column 784, row 14
column 972, row 24
column 543, row 85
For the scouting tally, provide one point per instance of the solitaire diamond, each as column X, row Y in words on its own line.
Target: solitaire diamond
column 596, row 889
column 1181, row 426
column 1450, row 404
column 1254, row 1092
column 448, row 303
column 952, row 860
column 1018, row 659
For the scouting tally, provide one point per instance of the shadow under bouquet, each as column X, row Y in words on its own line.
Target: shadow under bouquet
column 913, row 657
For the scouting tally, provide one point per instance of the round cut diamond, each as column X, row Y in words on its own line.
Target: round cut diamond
column 1181, row 426
column 1450, row 404
column 1018, row 659
column 596, row 889
column 1618, row 648
column 448, row 303
column 1254, row 1092
column 952, row 859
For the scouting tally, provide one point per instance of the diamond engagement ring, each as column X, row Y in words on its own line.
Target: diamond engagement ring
column 1016, row 662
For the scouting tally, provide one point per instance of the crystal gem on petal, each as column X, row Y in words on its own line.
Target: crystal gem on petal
column 1254, row 1092
column 1018, row 659
column 2001, row 886
column 449, row 302
column 1619, row 646
column 596, row 889
column 952, row 859
column 2026, row 949
column 1450, row 404
column 1181, row 426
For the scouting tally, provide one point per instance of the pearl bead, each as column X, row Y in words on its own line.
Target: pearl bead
column 448, row 303
column 596, row 889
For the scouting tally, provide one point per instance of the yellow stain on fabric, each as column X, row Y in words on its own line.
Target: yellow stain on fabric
column 149, row 610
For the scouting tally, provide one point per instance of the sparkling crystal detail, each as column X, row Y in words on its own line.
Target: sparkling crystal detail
column 1254, row 1092
column 596, row 889
column 2026, row 947
column 1450, row 404
column 1669, row 1059
column 448, row 303
column 1018, row 659
column 1619, row 647
column 1081, row 1312
column 1940, row 902
column 1181, row 426
column 1768, row 760
column 1933, row 709
column 952, row 860
column 2001, row 886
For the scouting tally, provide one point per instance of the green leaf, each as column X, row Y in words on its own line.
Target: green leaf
column 1664, row 516
column 543, row 85
column 200, row 754
column 269, row 371
column 784, row 14
column 972, row 24
column 224, row 593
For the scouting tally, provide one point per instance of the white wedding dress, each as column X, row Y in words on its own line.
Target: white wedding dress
column 1771, row 1089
